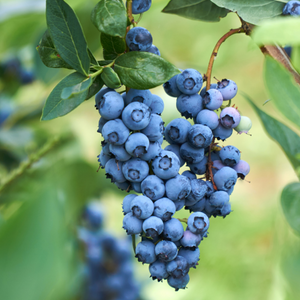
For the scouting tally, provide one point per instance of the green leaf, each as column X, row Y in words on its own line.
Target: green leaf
column 92, row 57
column 280, row 30
column 203, row 10
column 284, row 136
column 110, row 17
column 95, row 87
column 290, row 202
column 110, row 78
column 73, row 91
column 253, row 11
column 296, row 58
column 67, row 35
column 56, row 106
column 284, row 91
column 143, row 70
column 49, row 54
column 105, row 62
column 112, row 46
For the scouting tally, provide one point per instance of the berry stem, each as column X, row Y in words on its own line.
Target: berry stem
column 184, row 220
column 215, row 53
column 129, row 13
column 133, row 242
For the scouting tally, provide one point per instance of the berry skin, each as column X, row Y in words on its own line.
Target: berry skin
column 158, row 270
column 189, row 175
column 166, row 165
column 207, row 117
column 115, row 132
column 139, row 39
column 222, row 133
column 203, row 91
column 135, row 170
column 153, row 49
column 173, row 230
column 230, row 117
column 157, row 105
column 175, row 149
column 100, row 94
column 140, row 6
column 142, row 207
column 137, row 144
column 192, row 256
column 225, row 178
column 153, row 151
column 164, row 208
column 199, row 190
column 171, row 88
column 101, row 123
column 119, row 152
column 113, row 171
column 136, row 186
column 132, row 225
column 145, row 252
column 199, row 206
column 190, row 154
column 166, row 251
column 178, row 267
column 218, row 199
column 127, row 203
column 153, row 187
column 200, row 136
column 242, row 168
column 230, row 156
column 292, row 8
column 190, row 240
column 212, row 99
column 228, row 88
column 111, row 105
column 142, row 96
column 177, row 131
column 179, row 204
column 103, row 159
column 136, row 115
column 189, row 105
column 244, row 125
column 155, row 129
column 189, row 81
column 124, row 186
column 153, row 227
column 178, row 283
column 198, row 222
column 93, row 216
column 178, row 188
column 200, row 167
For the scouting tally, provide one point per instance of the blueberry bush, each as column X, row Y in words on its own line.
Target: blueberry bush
column 169, row 165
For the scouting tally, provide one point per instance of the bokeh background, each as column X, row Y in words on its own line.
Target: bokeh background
column 251, row 254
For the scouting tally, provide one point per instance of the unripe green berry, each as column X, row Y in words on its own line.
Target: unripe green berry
column 244, row 125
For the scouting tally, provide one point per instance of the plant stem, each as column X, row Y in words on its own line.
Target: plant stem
column 209, row 174
column 184, row 220
column 129, row 13
column 215, row 53
column 133, row 242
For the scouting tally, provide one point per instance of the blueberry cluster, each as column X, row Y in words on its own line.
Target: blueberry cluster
column 292, row 8
column 108, row 260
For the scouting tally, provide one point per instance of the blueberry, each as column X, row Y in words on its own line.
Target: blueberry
column 166, row 251
column 137, row 144
column 225, row 178
column 198, row 191
column 189, row 105
column 218, row 199
column 140, row 6
column 178, row 188
column 198, row 222
column 222, row 133
column 136, row 115
column 153, row 49
column 164, row 208
column 191, row 154
column 153, row 187
column 166, row 165
column 158, row 270
column 200, row 167
column 173, row 230
column 228, row 88
column 230, row 117
column 155, row 129
column 93, row 215
column 100, row 94
column 127, row 203
column 113, row 171
column 208, row 118
column 212, row 99
column 119, row 152
column 171, row 88
column 179, row 204
column 292, row 8
column 242, row 168
column 135, row 170
column 153, row 227
column 189, row 81
column 198, row 206
column 189, row 175
column 178, row 283
column 139, row 39
column 142, row 207
column 178, row 267
column 203, row 91
column 132, row 225
column 142, row 96
column 115, row 132
column 153, row 151
column 177, row 131
column 101, row 123
column 200, row 136
column 124, row 186
column 145, row 252
column 230, row 156
column 111, row 105
column 190, row 240
column 103, row 159
column 157, row 105
column 192, row 256
column 136, row 186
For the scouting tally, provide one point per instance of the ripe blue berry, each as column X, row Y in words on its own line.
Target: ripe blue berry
column 166, row 251
column 153, row 227
column 178, row 188
column 225, row 178
column 200, row 136
column 135, row 170
column 111, row 105
column 228, row 88
column 158, row 270
column 113, row 171
column 200, row 167
column 155, row 129
column 189, row 105
column 198, row 223
column 178, row 267
column 222, row 133
column 142, row 207
column 115, row 132
column 153, row 49
column 189, row 81
column 139, row 39
column 137, row 144
column 127, row 203
column 171, row 88
column 173, row 230
column 157, row 105
column 242, row 168
column 230, row 117
column 192, row 256
column 212, row 99
column 140, row 6
column 164, row 208
column 230, row 156
column 145, row 252
column 153, row 187
column 175, row 148
column 132, row 225
column 142, row 96
column 207, row 117
column 178, row 283
column 191, row 154
column 177, row 131
column 292, row 8
column 136, row 115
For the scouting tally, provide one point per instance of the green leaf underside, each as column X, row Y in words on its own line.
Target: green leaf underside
column 283, row 31
column 95, row 87
column 110, row 78
column 203, row 10
column 284, row 91
column 143, row 70
column 69, row 92
column 56, row 106
column 110, row 17
column 253, row 11
column 108, row 55
column 67, row 35
column 283, row 135
column 112, row 46
column 290, row 202
column 92, row 57
column 49, row 54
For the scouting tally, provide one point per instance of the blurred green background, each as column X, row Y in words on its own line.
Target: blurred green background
column 252, row 254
